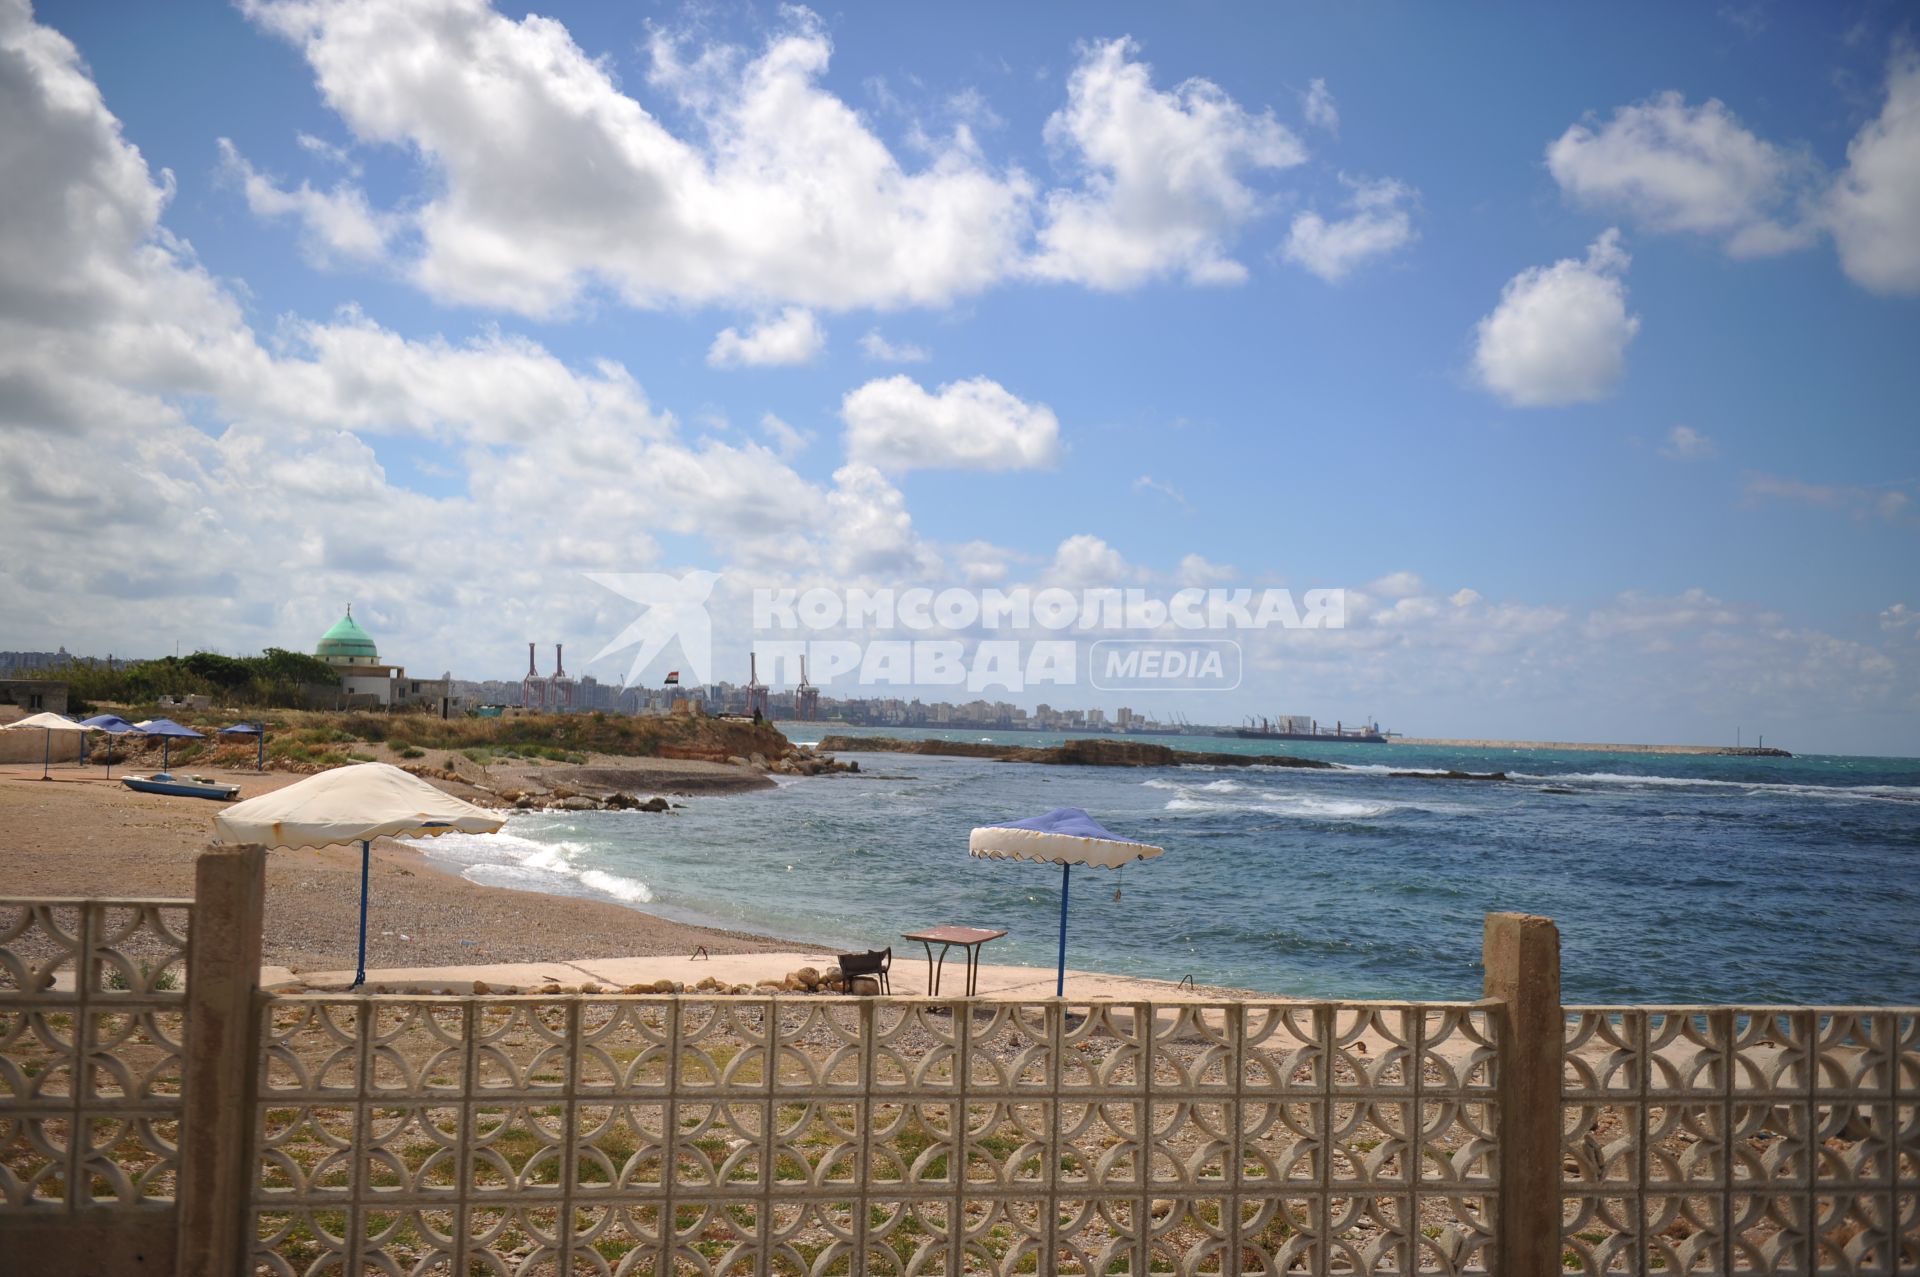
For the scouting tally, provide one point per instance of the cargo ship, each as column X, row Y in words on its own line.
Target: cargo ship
column 1296, row 727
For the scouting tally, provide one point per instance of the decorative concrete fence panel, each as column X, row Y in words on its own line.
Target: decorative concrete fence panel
column 92, row 1031
column 1730, row 1139
column 217, row 1130
column 755, row 1136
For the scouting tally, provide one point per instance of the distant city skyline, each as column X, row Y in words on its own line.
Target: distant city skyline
column 1575, row 345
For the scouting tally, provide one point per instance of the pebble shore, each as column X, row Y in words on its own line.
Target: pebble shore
column 83, row 835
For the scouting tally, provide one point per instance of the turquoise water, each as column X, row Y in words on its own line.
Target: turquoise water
column 1671, row 877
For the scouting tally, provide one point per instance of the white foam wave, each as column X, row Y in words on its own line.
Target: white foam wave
column 1887, row 793
column 1287, row 805
column 631, row 890
column 507, row 859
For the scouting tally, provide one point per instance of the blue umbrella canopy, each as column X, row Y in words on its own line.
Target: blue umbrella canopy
column 167, row 730
column 109, row 723
column 1065, row 836
column 256, row 730
column 166, row 727
column 113, row 725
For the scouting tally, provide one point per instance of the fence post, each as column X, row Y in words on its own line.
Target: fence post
column 1521, row 956
column 223, row 977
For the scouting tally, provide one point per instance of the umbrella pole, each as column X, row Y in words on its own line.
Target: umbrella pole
column 366, row 861
column 166, row 752
column 46, row 754
column 260, row 749
column 1060, row 980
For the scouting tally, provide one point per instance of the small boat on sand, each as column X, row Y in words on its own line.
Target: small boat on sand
column 182, row 786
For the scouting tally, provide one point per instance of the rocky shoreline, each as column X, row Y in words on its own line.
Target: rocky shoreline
column 1073, row 753
column 608, row 784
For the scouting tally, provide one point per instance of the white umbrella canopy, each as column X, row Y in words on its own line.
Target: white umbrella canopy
column 353, row 804
column 1065, row 836
column 49, row 723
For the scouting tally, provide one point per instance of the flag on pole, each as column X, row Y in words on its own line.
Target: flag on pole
column 673, row 678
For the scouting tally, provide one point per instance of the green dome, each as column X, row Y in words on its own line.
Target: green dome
column 347, row 643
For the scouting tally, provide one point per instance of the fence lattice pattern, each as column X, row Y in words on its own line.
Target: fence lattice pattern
column 91, row 1022
column 1721, row 1139
column 753, row 1136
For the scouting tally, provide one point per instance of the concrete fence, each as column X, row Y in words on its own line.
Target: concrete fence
column 214, row 1129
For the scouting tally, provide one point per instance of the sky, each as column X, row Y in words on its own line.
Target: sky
column 1576, row 346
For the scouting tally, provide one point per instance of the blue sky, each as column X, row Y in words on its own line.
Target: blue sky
column 1576, row 345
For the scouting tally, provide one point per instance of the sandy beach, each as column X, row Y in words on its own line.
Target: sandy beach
column 81, row 834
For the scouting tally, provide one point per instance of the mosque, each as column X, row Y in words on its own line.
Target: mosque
column 365, row 683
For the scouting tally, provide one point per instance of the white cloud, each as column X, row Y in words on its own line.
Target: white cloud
column 1147, row 483
column 547, row 178
column 1675, row 167
column 326, row 150
column 982, row 562
column 1899, row 618
column 546, row 181
column 1197, row 569
column 1164, row 190
column 872, row 532
column 793, row 336
column 1086, row 560
column 1684, row 443
column 337, row 221
column 895, row 424
column 880, row 350
column 110, row 334
column 788, row 440
column 1317, row 105
column 1888, row 503
column 1873, row 209
column 1379, row 224
column 1397, row 585
column 1560, row 332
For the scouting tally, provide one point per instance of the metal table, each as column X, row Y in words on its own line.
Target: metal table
column 968, row 938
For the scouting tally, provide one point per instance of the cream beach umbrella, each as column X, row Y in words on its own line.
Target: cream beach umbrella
column 352, row 804
column 1065, row 836
column 48, row 723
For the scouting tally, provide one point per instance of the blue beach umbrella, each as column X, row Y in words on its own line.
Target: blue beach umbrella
column 168, row 731
column 1065, row 836
column 256, row 730
column 113, row 725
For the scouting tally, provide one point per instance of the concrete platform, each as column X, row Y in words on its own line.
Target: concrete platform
column 909, row 977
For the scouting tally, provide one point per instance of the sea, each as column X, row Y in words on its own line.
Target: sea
column 1673, row 878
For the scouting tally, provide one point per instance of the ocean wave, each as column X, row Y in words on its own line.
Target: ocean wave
column 1884, row 793
column 1211, row 787
column 631, row 890
column 507, row 859
column 1286, row 805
